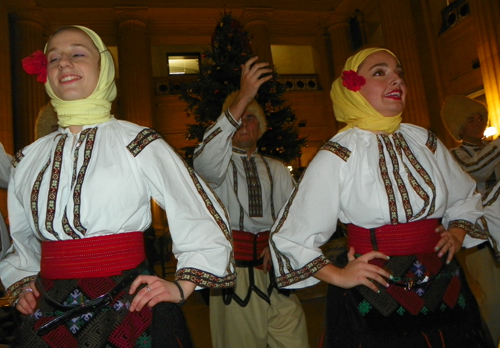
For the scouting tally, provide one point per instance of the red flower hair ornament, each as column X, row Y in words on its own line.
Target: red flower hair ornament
column 36, row 64
column 352, row 81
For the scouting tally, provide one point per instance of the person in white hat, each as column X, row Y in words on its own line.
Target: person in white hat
column 466, row 120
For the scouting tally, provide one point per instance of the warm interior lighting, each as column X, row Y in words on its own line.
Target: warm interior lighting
column 301, row 64
column 490, row 131
column 180, row 64
column 290, row 168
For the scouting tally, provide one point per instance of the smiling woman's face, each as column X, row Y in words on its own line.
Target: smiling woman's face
column 73, row 64
column 385, row 88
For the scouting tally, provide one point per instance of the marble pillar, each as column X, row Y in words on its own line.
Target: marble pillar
column 134, row 60
column 28, row 94
column 399, row 36
column 6, row 130
column 486, row 14
column 256, row 22
column 338, row 28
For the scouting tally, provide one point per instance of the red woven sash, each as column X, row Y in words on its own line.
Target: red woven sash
column 92, row 257
column 248, row 246
column 403, row 239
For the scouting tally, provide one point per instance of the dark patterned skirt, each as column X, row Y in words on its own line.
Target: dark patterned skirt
column 112, row 326
column 427, row 305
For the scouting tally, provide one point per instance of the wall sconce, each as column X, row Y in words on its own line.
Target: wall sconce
column 489, row 133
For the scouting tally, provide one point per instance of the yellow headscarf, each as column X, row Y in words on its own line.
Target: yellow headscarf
column 95, row 108
column 352, row 108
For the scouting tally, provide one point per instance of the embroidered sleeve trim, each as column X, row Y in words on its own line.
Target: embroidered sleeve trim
column 17, row 158
column 206, row 279
column 466, row 225
column 481, row 229
column 337, row 149
column 12, row 293
column 431, row 141
column 282, row 260
column 213, row 211
column 143, row 139
column 206, row 141
column 303, row 273
column 231, row 119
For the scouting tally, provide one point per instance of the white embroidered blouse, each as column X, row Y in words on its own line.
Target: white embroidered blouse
column 253, row 190
column 100, row 182
column 369, row 180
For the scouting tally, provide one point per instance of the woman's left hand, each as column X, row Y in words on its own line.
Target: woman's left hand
column 450, row 242
column 157, row 290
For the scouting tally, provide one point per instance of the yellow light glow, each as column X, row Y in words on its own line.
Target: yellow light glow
column 490, row 131
column 290, row 168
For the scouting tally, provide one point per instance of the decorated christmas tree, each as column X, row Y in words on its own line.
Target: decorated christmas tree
column 220, row 75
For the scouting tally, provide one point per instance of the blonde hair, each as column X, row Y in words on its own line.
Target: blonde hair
column 455, row 111
column 253, row 107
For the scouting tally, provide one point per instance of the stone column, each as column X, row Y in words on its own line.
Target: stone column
column 6, row 130
column 399, row 37
column 338, row 28
column 486, row 14
column 322, row 54
column 28, row 94
column 256, row 22
column 134, row 60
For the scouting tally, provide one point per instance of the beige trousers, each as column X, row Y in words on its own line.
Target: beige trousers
column 258, row 325
column 484, row 281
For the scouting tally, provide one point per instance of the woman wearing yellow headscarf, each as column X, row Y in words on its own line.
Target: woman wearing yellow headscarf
column 79, row 201
column 392, row 184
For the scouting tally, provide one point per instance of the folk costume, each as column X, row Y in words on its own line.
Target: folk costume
column 5, row 166
column 78, row 204
column 253, row 314
column 392, row 190
column 482, row 163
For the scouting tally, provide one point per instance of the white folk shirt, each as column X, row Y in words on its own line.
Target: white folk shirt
column 100, row 182
column 5, row 166
column 252, row 208
column 369, row 180
column 482, row 163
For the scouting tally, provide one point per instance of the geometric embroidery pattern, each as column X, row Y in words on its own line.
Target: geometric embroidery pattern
column 431, row 141
column 114, row 326
column 143, row 139
column 254, row 188
column 337, row 149
column 206, row 141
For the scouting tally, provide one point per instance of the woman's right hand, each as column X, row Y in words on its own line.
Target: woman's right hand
column 27, row 299
column 357, row 272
